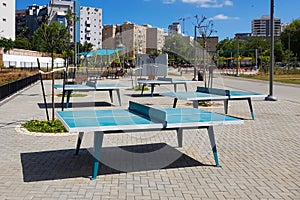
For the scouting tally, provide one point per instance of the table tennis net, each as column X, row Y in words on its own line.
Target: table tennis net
column 213, row 91
column 153, row 114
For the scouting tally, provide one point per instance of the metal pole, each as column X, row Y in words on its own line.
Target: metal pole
column 256, row 61
column 270, row 97
column 195, row 55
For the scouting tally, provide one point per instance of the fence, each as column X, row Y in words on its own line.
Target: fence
column 13, row 87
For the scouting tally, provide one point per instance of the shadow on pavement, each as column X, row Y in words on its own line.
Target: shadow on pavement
column 77, row 105
column 144, row 95
column 63, row 164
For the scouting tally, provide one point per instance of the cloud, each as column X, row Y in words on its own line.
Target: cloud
column 228, row 3
column 168, row 1
column 210, row 3
column 224, row 17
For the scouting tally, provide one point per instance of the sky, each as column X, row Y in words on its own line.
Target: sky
column 228, row 16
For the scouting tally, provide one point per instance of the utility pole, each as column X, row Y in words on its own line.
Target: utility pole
column 74, row 34
column 183, row 19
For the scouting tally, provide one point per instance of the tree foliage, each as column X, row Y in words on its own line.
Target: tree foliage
column 7, row 44
column 177, row 49
column 290, row 37
column 51, row 38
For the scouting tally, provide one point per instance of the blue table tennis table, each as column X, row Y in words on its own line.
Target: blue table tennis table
column 90, row 86
column 141, row 118
column 162, row 81
column 214, row 94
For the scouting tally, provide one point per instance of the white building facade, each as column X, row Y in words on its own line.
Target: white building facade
column 174, row 29
column 91, row 26
column 7, row 19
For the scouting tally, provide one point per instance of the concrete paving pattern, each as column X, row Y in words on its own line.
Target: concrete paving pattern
column 260, row 159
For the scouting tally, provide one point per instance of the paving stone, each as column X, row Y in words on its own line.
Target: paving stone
column 259, row 158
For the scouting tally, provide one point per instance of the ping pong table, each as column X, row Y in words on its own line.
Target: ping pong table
column 214, row 94
column 90, row 86
column 162, row 81
column 141, row 118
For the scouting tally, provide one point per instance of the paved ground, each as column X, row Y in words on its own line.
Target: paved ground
column 260, row 159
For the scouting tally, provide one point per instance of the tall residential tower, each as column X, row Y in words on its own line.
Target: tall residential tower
column 7, row 19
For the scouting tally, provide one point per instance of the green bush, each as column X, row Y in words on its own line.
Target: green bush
column 44, row 126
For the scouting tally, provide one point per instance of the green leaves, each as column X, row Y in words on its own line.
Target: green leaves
column 52, row 38
column 7, row 44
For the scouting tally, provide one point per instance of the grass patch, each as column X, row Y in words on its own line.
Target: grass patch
column 291, row 76
column 138, row 89
column 282, row 78
column 44, row 126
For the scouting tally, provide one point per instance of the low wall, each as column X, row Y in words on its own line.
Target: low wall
column 27, row 59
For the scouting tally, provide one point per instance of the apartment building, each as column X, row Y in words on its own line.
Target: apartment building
column 134, row 37
column 20, row 21
column 57, row 11
column 128, row 35
column 32, row 16
column 7, row 19
column 87, row 28
column 174, row 29
column 242, row 36
column 109, row 35
column 155, row 39
column 91, row 26
column 261, row 27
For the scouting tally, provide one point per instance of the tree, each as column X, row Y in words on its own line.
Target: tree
column 205, row 31
column 54, row 39
column 7, row 44
column 290, row 37
column 22, row 43
column 86, row 47
column 177, row 49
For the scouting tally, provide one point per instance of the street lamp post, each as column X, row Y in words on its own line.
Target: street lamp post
column 270, row 97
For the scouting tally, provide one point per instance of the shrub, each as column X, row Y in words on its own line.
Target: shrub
column 44, row 126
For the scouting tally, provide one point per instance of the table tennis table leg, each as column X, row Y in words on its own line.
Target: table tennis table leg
column 185, row 86
column 69, row 92
column 213, row 144
column 143, row 87
column 226, row 106
column 175, row 102
column 98, row 139
column 179, row 136
column 251, row 108
column 79, row 140
column 152, row 90
column 195, row 104
column 111, row 96
column 63, row 100
column 119, row 97
column 175, row 87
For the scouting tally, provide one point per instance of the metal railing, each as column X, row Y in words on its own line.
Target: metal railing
column 8, row 89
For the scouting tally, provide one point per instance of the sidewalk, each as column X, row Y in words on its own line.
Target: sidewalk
column 259, row 159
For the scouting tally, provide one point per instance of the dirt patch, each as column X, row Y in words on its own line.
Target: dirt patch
column 10, row 75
